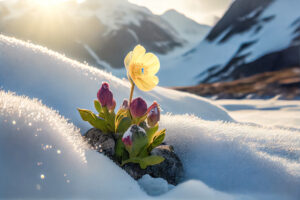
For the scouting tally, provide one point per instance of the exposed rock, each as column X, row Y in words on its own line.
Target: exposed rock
column 172, row 163
column 171, row 169
column 101, row 142
column 134, row 170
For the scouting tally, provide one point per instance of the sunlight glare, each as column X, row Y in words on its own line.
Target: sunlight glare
column 48, row 3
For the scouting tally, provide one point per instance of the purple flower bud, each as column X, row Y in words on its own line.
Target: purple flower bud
column 135, row 140
column 138, row 107
column 104, row 95
column 112, row 105
column 126, row 139
column 125, row 104
column 153, row 114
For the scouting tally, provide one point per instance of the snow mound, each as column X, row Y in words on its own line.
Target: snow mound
column 44, row 156
column 237, row 157
column 64, row 84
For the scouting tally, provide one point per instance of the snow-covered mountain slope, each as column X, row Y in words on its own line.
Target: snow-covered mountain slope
column 93, row 31
column 78, row 84
column 246, row 161
column 253, row 36
column 186, row 27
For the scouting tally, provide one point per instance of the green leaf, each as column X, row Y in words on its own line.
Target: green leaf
column 152, row 160
column 95, row 121
column 98, row 106
column 145, row 162
column 120, row 150
column 150, row 133
column 109, row 118
column 105, row 111
column 121, row 114
column 139, row 142
column 139, row 120
column 157, row 139
column 123, row 125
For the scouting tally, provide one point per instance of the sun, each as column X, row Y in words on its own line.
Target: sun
column 48, row 3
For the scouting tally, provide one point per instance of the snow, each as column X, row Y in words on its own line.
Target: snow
column 237, row 157
column 265, row 112
column 208, row 54
column 64, row 84
column 42, row 155
column 222, row 158
column 105, row 65
column 190, row 30
column 154, row 186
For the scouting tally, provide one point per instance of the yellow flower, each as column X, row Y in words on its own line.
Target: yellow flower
column 141, row 68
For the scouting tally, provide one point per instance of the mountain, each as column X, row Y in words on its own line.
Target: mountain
column 186, row 27
column 93, row 31
column 253, row 36
column 265, row 36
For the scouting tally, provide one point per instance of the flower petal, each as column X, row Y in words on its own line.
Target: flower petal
column 146, row 83
column 127, row 60
column 151, row 63
column 138, row 53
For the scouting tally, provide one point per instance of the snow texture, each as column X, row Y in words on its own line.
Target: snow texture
column 223, row 159
column 64, row 84
column 154, row 186
column 44, row 156
column 237, row 157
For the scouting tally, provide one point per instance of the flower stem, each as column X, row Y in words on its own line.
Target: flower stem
column 131, row 91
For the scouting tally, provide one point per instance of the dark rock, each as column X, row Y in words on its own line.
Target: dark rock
column 134, row 170
column 102, row 142
column 171, row 169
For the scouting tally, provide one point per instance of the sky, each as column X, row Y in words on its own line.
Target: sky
column 202, row 11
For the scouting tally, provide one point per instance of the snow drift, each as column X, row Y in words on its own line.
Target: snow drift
column 238, row 159
column 44, row 156
column 65, row 84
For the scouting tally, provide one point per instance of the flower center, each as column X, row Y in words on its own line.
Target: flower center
column 138, row 69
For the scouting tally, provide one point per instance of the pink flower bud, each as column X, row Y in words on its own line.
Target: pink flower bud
column 126, row 139
column 135, row 140
column 138, row 107
column 111, row 106
column 104, row 95
column 153, row 114
column 125, row 104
